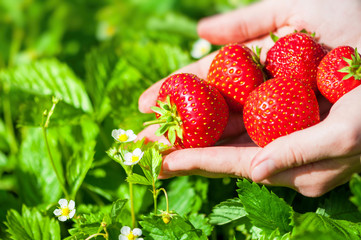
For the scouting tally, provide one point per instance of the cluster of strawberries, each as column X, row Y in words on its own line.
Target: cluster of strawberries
column 276, row 98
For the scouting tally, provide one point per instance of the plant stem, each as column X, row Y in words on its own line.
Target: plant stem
column 132, row 204
column 155, row 195
column 166, row 198
column 45, row 125
column 53, row 164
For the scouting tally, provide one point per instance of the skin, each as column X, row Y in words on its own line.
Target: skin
column 312, row 161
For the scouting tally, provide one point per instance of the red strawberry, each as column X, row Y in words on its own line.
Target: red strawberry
column 279, row 107
column 235, row 72
column 339, row 72
column 192, row 112
column 295, row 55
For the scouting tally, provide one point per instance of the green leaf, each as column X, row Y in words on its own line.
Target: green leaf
column 78, row 166
column 227, row 211
column 338, row 206
column 117, row 207
column 151, row 164
column 31, row 111
column 37, row 181
column 355, row 187
column 200, row 221
column 138, row 179
column 31, row 225
column 49, row 78
column 310, row 222
column 265, row 209
column 178, row 228
column 186, row 194
column 100, row 63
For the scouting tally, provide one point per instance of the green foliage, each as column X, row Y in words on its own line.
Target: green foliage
column 31, row 224
column 177, row 228
column 98, row 57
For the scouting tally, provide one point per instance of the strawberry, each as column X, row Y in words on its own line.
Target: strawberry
column 190, row 111
column 279, row 107
column 295, row 55
column 235, row 72
column 339, row 72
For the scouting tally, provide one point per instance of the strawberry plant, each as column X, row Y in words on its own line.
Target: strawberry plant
column 71, row 167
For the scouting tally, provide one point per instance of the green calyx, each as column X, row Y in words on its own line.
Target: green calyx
column 354, row 67
column 257, row 59
column 169, row 121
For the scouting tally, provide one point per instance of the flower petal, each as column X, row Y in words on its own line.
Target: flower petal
column 71, row 205
column 72, row 213
column 125, row 230
column 63, row 203
column 57, row 212
column 137, row 152
column 137, row 232
column 128, row 157
column 123, row 237
column 62, row 218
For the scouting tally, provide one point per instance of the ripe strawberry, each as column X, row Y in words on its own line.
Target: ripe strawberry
column 279, row 107
column 192, row 112
column 339, row 72
column 235, row 72
column 295, row 55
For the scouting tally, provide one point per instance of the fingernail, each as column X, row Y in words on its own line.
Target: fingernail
column 262, row 170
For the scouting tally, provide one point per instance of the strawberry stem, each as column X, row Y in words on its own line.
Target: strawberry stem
column 168, row 120
column 354, row 67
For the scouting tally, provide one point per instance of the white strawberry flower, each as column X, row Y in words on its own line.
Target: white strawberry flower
column 66, row 210
column 131, row 158
column 126, row 233
column 200, row 48
column 123, row 136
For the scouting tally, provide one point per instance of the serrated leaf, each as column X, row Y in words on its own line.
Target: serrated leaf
column 138, row 179
column 310, row 222
column 151, row 164
column 178, row 228
column 265, row 209
column 227, row 211
column 49, row 77
column 31, row 225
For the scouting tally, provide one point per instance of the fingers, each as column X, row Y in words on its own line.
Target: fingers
column 315, row 179
column 209, row 162
column 149, row 96
column 245, row 23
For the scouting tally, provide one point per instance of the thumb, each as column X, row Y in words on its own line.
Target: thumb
column 245, row 23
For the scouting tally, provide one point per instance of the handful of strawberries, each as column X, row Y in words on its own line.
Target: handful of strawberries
column 276, row 98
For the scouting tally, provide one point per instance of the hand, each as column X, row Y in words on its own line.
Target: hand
column 312, row 161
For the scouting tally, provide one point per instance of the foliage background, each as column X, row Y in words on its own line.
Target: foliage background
column 99, row 56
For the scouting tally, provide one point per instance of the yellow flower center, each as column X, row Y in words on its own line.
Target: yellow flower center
column 135, row 158
column 123, row 137
column 131, row 236
column 65, row 211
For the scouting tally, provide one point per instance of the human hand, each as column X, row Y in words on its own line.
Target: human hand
column 313, row 169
